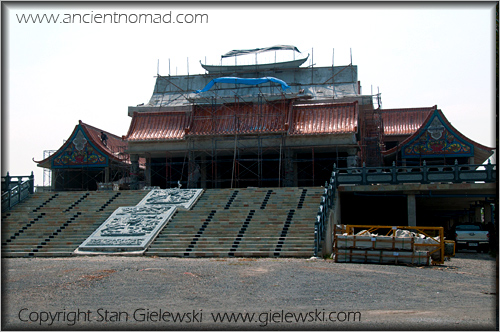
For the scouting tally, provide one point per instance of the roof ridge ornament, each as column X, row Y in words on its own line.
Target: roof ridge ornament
column 260, row 50
column 436, row 128
column 79, row 141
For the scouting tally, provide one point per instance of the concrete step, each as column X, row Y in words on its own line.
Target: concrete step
column 236, row 231
column 227, row 233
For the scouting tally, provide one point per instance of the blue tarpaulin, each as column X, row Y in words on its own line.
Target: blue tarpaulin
column 247, row 81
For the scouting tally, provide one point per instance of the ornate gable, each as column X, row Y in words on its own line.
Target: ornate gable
column 437, row 139
column 79, row 151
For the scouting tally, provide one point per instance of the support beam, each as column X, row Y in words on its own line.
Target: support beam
column 412, row 210
column 487, row 213
column 336, row 208
column 203, row 171
column 193, row 171
column 53, row 179
column 134, row 172
column 477, row 214
column 289, row 169
column 106, row 174
column 148, row 170
column 333, row 219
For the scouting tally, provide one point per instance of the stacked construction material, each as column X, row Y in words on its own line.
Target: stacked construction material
column 365, row 247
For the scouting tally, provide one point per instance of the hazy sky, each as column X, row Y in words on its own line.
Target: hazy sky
column 55, row 74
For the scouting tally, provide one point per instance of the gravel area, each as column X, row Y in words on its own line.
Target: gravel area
column 149, row 293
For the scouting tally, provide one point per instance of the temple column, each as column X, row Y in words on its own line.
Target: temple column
column 333, row 219
column 477, row 213
column 487, row 213
column 289, row 172
column 193, row 171
column 148, row 170
column 492, row 228
column 106, row 174
column 336, row 207
column 295, row 175
column 134, row 172
column 53, row 179
column 203, row 172
column 412, row 210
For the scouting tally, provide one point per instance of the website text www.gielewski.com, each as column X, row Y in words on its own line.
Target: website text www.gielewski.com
column 116, row 18
column 264, row 318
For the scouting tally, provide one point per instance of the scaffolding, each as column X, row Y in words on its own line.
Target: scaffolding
column 86, row 176
column 238, row 156
column 371, row 130
column 251, row 151
column 47, row 172
column 245, row 140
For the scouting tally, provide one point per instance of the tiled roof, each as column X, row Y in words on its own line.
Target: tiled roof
column 481, row 152
column 242, row 119
column 404, row 121
column 151, row 126
column 309, row 119
column 114, row 148
column 306, row 119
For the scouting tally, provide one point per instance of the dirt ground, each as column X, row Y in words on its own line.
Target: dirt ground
column 150, row 293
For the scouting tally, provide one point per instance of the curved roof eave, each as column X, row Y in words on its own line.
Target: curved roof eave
column 90, row 131
column 480, row 156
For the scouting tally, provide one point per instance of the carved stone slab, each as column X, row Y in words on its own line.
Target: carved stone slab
column 167, row 197
column 130, row 228
column 133, row 228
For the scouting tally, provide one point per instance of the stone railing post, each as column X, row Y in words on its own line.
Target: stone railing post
column 424, row 173
column 19, row 187
column 489, row 169
column 6, row 182
column 32, row 183
column 455, row 172
column 363, row 174
column 394, row 173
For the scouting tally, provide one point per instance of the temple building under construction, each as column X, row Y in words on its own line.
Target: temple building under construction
column 286, row 124
column 263, row 125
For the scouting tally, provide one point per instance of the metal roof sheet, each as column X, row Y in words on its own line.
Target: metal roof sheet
column 150, row 126
column 331, row 118
column 404, row 121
